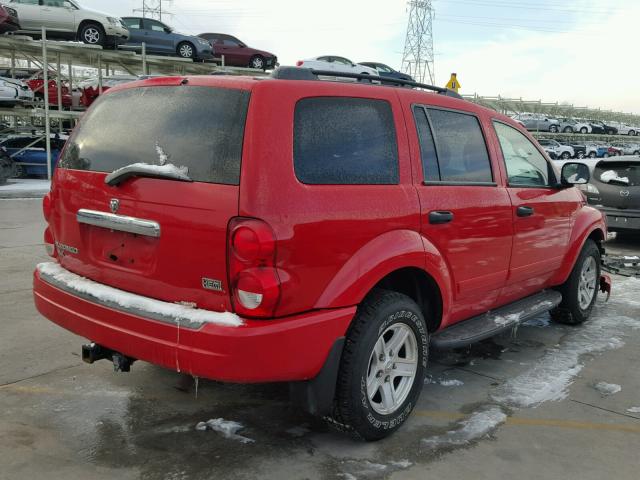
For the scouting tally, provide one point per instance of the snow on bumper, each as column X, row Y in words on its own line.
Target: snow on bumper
column 242, row 350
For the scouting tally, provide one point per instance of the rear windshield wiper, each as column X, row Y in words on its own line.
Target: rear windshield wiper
column 168, row 172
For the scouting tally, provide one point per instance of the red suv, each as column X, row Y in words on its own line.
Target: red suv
column 315, row 232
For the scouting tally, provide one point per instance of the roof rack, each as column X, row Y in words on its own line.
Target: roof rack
column 301, row 73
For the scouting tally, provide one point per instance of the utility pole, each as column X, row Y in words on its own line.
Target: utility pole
column 153, row 9
column 417, row 59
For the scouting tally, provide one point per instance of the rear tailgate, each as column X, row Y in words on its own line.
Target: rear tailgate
column 618, row 182
column 157, row 237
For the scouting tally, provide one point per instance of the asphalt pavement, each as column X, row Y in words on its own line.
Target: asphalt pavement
column 544, row 402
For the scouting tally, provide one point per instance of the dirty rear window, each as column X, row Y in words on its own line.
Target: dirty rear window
column 201, row 128
column 345, row 141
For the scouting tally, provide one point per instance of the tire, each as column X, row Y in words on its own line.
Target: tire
column 593, row 154
column 365, row 403
column 580, row 155
column 553, row 129
column 186, row 50
column 565, row 155
column 632, row 133
column 605, row 155
column 637, row 152
column 257, row 62
column 580, row 291
column 92, row 34
column 567, row 130
column 584, row 130
column 18, row 171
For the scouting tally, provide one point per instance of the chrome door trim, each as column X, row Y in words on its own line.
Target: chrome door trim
column 122, row 223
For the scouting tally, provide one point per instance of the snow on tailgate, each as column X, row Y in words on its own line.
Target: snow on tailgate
column 128, row 300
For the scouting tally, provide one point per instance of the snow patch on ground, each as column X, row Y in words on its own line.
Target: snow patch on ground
column 478, row 425
column 451, row 383
column 128, row 300
column 607, row 388
column 227, row 428
column 402, row 464
column 507, row 319
column 633, row 410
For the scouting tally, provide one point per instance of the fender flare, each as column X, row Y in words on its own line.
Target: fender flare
column 378, row 258
column 589, row 221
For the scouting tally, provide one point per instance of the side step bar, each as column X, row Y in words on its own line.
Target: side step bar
column 491, row 323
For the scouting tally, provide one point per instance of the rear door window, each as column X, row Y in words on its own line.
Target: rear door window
column 345, row 141
column 452, row 147
column 201, row 128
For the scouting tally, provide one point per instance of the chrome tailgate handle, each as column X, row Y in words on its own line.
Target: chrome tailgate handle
column 122, row 223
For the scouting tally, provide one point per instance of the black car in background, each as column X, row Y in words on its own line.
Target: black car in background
column 386, row 71
column 610, row 129
column 597, row 128
column 614, row 189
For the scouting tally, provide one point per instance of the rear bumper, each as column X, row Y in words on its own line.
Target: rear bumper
column 621, row 219
column 291, row 349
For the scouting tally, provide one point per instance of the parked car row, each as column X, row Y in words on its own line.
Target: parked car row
column 558, row 150
column 545, row 123
column 26, row 155
column 68, row 20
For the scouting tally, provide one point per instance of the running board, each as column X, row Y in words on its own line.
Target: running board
column 496, row 321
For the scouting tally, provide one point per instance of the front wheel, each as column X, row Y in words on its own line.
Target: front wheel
column 382, row 367
column 568, row 130
column 593, row 155
column 580, row 155
column 580, row 291
column 584, row 130
column 257, row 62
column 566, row 155
column 186, row 50
column 92, row 34
column 553, row 129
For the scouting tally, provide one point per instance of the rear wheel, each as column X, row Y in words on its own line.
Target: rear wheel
column 593, row 154
column 568, row 130
column 580, row 291
column 92, row 34
column 18, row 171
column 553, row 129
column 580, row 155
column 566, row 155
column 584, row 130
column 632, row 132
column 382, row 367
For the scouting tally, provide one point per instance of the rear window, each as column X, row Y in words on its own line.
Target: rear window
column 620, row 174
column 345, row 141
column 201, row 128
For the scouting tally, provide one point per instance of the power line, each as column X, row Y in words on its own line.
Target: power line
column 417, row 59
column 153, row 9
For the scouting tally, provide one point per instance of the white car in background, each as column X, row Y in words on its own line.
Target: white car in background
column 336, row 64
column 68, row 20
column 624, row 129
column 14, row 92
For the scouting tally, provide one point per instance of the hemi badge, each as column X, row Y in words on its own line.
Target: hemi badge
column 210, row 284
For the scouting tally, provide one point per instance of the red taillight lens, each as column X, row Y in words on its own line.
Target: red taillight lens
column 46, row 206
column 49, row 243
column 253, row 277
column 299, row 63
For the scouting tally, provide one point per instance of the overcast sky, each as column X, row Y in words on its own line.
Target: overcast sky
column 582, row 52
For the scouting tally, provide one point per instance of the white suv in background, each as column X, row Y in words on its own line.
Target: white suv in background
column 66, row 19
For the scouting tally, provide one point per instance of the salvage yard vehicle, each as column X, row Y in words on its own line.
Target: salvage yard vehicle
column 14, row 92
column 386, row 71
column 538, row 123
column 614, row 189
column 29, row 153
column 68, row 20
column 236, row 53
column 213, row 243
column 161, row 39
column 336, row 64
column 564, row 152
column 8, row 19
column 569, row 125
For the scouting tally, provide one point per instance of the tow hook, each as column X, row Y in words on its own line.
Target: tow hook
column 605, row 285
column 93, row 352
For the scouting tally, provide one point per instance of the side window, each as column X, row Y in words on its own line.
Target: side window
column 52, row 3
column 155, row 26
column 132, row 23
column 461, row 149
column 427, row 146
column 27, row 2
column 525, row 164
column 345, row 141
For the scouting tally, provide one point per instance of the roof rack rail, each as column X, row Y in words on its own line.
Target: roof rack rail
column 301, row 73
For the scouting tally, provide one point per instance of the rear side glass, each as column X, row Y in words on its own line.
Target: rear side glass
column 201, row 128
column 462, row 152
column 345, row 141
column 427, row 146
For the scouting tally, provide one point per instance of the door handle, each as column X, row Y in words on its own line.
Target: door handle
column 440, row 217
column 524, row 211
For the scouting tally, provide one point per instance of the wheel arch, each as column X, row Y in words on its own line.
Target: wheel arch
column 88, row 21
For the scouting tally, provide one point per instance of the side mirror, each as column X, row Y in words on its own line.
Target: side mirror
column 574, row 173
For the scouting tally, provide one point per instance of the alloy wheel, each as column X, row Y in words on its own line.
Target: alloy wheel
column 392, row 368
column 587, row 284
column 186, row 51
column 92, row 35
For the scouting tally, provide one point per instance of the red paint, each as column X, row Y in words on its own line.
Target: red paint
column 314, row 251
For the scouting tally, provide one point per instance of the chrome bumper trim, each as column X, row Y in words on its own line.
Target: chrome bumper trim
column 122, row 223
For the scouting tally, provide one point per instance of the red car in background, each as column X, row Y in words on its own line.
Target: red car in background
column 615, row 151
column 90, row 88
column 8, row 19
column 237, row 54
column 35, row 79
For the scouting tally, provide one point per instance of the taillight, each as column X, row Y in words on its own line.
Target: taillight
column 254, row 281
column 49, row 243
column 46, row 206
column 299, row 63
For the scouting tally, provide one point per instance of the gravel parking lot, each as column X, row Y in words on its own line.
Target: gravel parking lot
column 547, row 401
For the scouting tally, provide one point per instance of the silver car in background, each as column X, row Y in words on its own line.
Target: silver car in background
column 14, row 92
column 538, row 123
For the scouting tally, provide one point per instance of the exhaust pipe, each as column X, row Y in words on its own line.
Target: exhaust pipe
column 93, row 352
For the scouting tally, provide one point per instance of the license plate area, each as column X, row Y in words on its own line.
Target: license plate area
column 122, row 250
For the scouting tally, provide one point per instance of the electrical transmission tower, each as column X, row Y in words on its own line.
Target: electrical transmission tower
column 153, row 8
column 417, row 59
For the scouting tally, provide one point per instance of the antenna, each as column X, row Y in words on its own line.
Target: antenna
column 417, row 59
